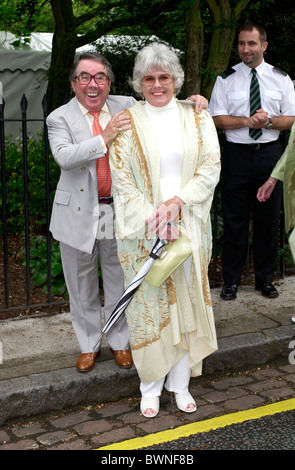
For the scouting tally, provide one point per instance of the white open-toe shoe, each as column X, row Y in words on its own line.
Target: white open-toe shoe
column 149, row 406
column 185, row 402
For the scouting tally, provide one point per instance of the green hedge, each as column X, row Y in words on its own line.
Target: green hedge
column 14, row 176
column 15, row 208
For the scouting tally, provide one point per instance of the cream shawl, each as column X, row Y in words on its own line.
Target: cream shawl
column 160, row 319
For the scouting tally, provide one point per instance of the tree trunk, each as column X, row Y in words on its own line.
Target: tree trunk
column 64, row 44
column 62, row 59
column 194, row 49
column 225, row 16
column 224, row 21
column 220, row 51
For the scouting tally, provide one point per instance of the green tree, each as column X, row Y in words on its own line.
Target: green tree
column 204, row 30
column 224, row 15
column 98, row 19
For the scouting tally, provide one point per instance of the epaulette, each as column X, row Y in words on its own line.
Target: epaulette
column 280, row 71
column 227, row 73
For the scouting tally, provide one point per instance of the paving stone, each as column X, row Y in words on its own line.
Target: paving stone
column 290, row 378
column 244, row 403
column 261, row 374
column 70, row 419
column 79, row 444
column 26, row 444
column 4, row 438
column 217, row 396
column 93, row 427
column 232, row 381
column 53, row 437
column 199, row 390
column 205, row 411
column 158, row 424
column 278, row 393
column 113, row 410
column 28, row 430
column 132, row 417
column 288, row 368
column 266, row 385
column 117, row 435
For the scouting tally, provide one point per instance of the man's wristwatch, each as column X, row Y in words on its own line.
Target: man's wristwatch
column 269, row 125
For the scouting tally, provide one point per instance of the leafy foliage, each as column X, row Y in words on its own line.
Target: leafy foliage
column 39, row 264
column 120, row 51
column 14, row 176
column 80, row 22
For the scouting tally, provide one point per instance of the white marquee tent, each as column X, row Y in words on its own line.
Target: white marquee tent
column 23, row 70
column 24, row 67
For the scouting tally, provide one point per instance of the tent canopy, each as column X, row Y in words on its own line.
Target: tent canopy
column 23, row 70
column 24, row 65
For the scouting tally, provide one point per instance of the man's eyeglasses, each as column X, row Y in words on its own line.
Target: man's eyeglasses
column 150, row 80
column 85, row 78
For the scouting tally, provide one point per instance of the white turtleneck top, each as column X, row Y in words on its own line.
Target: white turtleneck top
column 165, row 121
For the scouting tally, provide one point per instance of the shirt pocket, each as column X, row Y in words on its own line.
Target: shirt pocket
column 237, row 95
column 236, row 102
column 62, row 197
column 274, row 95
column 272, row 102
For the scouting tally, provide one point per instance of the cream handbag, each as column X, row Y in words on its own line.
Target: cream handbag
column 171, row 256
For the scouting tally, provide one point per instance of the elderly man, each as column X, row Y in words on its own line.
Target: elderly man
column 82, row 216
column 79, row 144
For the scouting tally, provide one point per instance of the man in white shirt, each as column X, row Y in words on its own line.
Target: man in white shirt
column 248, row 160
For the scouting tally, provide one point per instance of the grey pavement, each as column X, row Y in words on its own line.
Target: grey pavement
column 38, row 353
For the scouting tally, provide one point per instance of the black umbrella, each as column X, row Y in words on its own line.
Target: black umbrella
column 132, row 288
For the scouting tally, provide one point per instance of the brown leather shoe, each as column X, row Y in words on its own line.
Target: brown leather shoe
column 86, row 361
column 123, row 358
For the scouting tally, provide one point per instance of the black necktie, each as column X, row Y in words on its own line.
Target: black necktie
column 255, row 103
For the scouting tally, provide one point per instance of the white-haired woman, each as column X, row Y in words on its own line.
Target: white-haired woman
column 164, row 168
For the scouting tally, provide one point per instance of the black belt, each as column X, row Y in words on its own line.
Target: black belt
column 105, row 200
column 255, row 146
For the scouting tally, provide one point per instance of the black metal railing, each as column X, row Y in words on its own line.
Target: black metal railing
column 7, row 303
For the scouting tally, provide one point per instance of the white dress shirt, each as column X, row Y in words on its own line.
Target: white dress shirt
column 231, row 97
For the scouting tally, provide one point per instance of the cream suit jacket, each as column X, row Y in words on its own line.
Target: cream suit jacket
column 75, row 209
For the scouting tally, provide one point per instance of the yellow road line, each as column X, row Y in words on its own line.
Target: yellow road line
column 202, row 426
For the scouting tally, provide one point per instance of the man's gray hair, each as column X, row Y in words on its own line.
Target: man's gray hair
column 157, row 56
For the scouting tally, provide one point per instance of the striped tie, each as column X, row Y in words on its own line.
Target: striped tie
column 255, row 103
column 102, row 164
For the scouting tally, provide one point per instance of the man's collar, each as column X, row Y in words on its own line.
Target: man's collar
column 259, row 68
column 84, row 110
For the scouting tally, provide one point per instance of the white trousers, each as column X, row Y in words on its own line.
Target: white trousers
column 176, row 381
column 178, row 378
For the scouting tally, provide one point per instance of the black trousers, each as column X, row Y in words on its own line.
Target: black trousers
column 243, row 171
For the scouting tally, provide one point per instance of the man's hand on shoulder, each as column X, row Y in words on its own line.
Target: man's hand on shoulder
column 119, row 122
column 200, row 102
